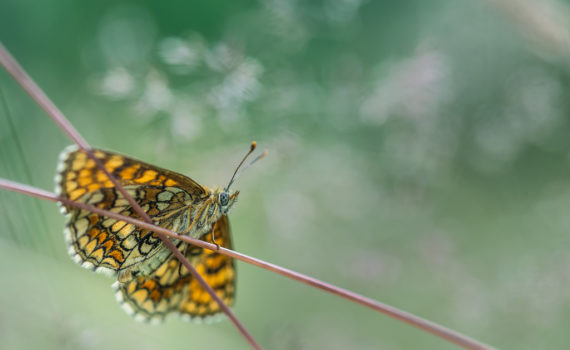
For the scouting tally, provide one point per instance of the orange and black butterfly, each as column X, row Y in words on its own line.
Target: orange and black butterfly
column 151, row 282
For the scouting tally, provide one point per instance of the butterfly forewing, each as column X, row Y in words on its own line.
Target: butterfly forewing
column 114, row 246
column 171, row 289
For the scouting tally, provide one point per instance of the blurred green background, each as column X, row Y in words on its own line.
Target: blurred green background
column 419, row 155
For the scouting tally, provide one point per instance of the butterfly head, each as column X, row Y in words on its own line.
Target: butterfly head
column 226, row 199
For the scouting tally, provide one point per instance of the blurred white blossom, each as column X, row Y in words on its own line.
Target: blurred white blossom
column 415, row 88
column 186, row 119
column 241, row 85
column 156, row 96
column 116, row 84
column 182, row 55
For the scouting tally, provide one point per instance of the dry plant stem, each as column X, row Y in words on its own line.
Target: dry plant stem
column 57, row 116
column 411, row 319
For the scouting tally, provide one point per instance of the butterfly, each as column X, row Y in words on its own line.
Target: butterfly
column 151, row 282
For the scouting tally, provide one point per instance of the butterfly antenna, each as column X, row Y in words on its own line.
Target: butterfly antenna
column 236, row 174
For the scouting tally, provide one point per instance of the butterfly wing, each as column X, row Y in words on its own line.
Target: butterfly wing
column 219, row 272
column 171, row 289
column 113, row 246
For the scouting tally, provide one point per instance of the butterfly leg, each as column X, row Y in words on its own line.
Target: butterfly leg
column 214, row 237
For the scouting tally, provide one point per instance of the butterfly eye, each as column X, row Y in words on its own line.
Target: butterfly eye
column 224, row 198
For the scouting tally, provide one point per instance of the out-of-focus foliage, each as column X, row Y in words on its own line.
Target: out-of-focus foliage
column 419, row 155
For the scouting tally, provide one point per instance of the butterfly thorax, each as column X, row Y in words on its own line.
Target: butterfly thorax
column 205, row 211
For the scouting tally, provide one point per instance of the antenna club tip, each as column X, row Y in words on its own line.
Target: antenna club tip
column 253, row 145
column 264, row 153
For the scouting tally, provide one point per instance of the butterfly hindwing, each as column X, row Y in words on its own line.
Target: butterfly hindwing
column 171, row 289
